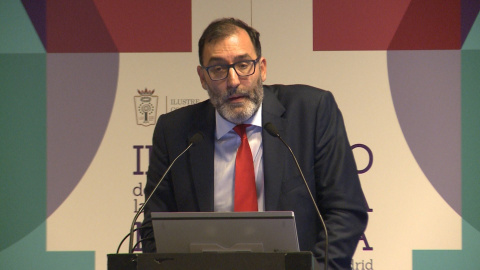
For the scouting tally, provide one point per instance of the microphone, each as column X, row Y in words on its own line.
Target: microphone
column 272, row 130
column 198, row 137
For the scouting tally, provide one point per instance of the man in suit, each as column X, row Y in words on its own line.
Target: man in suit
column 232, row 70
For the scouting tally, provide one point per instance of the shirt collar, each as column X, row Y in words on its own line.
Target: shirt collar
column 223, row 126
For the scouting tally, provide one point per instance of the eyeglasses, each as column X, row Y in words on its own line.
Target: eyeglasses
column 242, row 68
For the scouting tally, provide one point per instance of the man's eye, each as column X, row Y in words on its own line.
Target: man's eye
column 242, row 65
column 217, row 69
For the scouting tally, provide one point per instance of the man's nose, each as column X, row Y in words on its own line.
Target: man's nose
column 232, row 78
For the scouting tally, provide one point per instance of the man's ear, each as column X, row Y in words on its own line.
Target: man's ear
column 263, row 68
column 201, row 75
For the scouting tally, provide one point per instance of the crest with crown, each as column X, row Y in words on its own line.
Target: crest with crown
column 146, row 107
column 146, row 92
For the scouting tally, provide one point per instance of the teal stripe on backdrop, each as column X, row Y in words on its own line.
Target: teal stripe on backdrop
column 23, row 145
column 470, row 139
column 17, row 34
column 467, row 258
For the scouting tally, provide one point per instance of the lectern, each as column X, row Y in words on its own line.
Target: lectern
column 220, row 241
column 212, row 261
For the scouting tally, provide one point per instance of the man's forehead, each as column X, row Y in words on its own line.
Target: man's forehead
column 239, row 39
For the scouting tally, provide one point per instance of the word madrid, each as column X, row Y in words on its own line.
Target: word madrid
column 362, row 265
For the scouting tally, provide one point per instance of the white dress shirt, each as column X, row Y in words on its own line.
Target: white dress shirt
column 227, row 142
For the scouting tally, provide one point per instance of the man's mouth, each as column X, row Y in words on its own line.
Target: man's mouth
column 237, row 98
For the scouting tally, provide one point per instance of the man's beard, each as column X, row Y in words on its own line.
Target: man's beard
column 229, row 111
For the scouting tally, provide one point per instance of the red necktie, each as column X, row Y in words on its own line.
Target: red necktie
column 245, row 188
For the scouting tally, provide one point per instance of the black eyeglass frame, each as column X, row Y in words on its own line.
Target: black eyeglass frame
column 233, row 66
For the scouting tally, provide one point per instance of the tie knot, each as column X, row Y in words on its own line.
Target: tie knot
column 241, row 129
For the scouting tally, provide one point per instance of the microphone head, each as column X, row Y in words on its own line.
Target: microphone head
column 198, row 137
column 271, row 129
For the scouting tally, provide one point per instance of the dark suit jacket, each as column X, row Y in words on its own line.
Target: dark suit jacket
column 310, row 122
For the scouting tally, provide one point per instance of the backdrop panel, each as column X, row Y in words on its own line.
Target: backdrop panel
column 83, row 83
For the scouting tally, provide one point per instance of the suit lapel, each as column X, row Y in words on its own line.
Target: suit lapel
column 201, row 158
column 273, row 150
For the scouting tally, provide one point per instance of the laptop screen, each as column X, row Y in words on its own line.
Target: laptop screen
column 185, row 232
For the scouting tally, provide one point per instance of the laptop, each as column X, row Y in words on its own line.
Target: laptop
column 190, row 232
